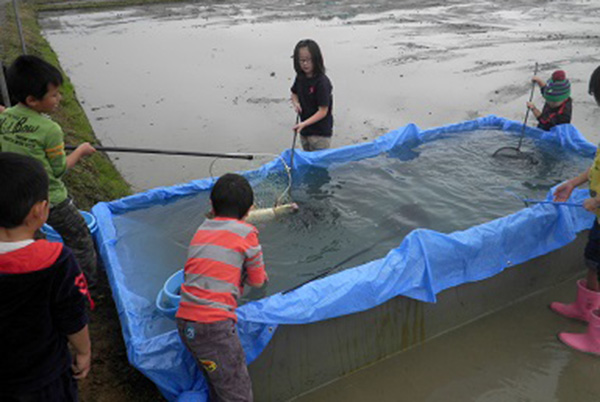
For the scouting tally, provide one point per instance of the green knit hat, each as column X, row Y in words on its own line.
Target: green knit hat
column 558, row 88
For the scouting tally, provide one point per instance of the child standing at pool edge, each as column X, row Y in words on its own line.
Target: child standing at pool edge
column 587, row 304
column 26, row 129
column 312, row 97
column 224, row 254
column 42, row 294
column 559, row 105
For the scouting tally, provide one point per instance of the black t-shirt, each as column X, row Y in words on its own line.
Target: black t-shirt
column 41, row 302
column 312, row 93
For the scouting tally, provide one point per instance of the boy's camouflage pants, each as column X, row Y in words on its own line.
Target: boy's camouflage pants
column 68, row 222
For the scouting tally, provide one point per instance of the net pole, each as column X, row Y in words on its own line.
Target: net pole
column 294, row 143
column 527, row 112
column 19, row 26
column 167, row 152
column 3, row 86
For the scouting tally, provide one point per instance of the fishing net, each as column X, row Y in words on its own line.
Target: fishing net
column 269, row 191
column 516, row 154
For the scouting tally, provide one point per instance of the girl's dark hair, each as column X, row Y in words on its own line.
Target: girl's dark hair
column 232, row 196
column 24, row 183
column 30, row 76
column 594, row 88
column 315, row 54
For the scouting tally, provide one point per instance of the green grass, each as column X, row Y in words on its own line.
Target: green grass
column 95, row 178
column 53, row 5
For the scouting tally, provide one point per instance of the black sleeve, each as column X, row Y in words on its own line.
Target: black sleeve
column 294, row 87
column 323, row 90
column 68, row 298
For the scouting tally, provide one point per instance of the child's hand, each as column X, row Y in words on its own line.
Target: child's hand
column 563, row 192
column 298, row 127
column 81, row 365
column 297, row 107
column 530, row 105
column 2, row 108
column 86, row 149
column 591, row 204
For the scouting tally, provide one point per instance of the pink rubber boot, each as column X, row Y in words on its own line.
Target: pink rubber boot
column 588, row 342
column 587, row 301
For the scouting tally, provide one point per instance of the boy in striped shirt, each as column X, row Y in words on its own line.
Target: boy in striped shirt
column 224, row 254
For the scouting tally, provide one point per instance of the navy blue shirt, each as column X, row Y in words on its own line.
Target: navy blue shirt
column 41, row 302
column 312, row 93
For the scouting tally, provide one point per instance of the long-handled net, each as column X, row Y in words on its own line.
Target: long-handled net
column 515, row 152
column 269, row 191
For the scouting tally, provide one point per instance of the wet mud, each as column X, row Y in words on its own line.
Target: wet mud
column 512, row 355
column 216, row 76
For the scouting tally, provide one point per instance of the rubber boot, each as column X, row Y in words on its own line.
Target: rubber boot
column 588, row 342
column 586, row 302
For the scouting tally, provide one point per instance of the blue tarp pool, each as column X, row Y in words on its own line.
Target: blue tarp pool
column 424, row 264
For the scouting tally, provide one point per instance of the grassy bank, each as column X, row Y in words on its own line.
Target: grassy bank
column 96, row 178
column 53, row 5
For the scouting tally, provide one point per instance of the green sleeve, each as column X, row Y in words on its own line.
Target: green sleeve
column 54, row 148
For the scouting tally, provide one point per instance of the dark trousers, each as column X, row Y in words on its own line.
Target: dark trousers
column 63, row 389
column 68, row 222
column 217, row 350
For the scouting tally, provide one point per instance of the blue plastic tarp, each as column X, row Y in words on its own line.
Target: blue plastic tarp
column 424, row 264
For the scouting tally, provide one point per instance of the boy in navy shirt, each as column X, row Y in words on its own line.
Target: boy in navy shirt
column 42, row 294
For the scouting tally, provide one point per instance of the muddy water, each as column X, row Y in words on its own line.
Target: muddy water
column 216, row 76
column 512, row 355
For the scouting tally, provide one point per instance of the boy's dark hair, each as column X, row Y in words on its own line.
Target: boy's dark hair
column 315, row 54
column 24, row 183
column 232, row 196
column 594, row 88
column 31, row 76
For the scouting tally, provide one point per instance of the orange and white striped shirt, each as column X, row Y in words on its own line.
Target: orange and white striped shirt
column 223, row 253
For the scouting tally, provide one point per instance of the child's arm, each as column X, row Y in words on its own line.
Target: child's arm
column 254, row 266
column 538, row 81
column 82, row 349
column 319, row 115
column 536, row 112
column 296, row 103
column 563, row 192
column 69, row 312
column 81, row 151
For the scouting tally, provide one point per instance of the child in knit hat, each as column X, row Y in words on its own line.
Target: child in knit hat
column 559, row 105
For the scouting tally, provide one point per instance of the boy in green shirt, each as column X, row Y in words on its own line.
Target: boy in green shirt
column 25, row 129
